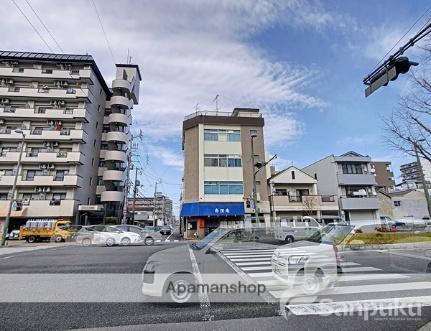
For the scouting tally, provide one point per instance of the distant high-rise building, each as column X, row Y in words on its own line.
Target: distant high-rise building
column 410, row 173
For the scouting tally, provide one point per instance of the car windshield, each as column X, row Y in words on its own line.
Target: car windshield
column 331, row 234
column 219, row 232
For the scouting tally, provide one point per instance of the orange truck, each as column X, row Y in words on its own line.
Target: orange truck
column 57, row 230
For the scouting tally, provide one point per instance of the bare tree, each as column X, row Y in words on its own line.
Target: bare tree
column 410, row 124
column 309, row 204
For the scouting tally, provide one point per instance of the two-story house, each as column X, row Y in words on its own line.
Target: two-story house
column 294, row 194
column 351, row 179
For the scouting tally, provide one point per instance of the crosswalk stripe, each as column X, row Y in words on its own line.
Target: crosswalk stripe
column 267, row 262
column 158, row 240
column 359, row 269
column 246, row 250
column 248, row 259
column 247, row 256
column 358, row 305
column 345, row 264
column 261, row 275
column 249, row 252
column 372, row 288
column 257, row 268
column 353, row 277
column 176, row 240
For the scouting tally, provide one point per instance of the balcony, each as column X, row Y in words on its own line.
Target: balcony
column 115, row 136
column 119, row 101
column 112, row 196
column 113, row 155
column 44, row 113
column 43, row 180
column 39, row 73
column 36, row 134
column 56, row 93
column 356, row 179
column 114, row 175
column 44, row 157
column 309, row 202
column 360, row 203
column 41, row 209
column 116, row 118
column 121, row 84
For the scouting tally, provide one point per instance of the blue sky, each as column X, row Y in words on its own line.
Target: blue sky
column 301, row 62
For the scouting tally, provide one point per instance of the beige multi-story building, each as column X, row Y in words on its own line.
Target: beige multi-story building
column 294, row 194
column 218, row 170
column 74, row 133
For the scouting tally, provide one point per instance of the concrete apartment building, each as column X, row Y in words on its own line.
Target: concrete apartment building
column 74, row 131
column 218, row 170
column 410, row 173
column 294, row 194
column 152, row 211
column 409, row 203
column 384, row 176
column 350, row 178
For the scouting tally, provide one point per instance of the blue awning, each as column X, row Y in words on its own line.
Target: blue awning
column 212, row 209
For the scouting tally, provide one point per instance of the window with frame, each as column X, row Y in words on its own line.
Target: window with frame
column 4, row 196
column 222, row 135
column 223, row 187
column 222, row 160
column 397, row 203
column 352, row 169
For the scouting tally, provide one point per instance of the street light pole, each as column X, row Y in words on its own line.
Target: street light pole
column 424, row 183
column 256, row 211
column 12, row 197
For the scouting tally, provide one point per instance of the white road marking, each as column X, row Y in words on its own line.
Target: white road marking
column 411, row 255
column 167, row 239
column 250, row 259
column 250, row 252
column 359, row 269
column 359, row 305
column 203, row 296
column 176, row 240
column 158, row 240
column 257, row 255
column 257, row 268
column 372, row 288
column 261, row 275
column 345, row 264
column 254, row 263
column 353, row 277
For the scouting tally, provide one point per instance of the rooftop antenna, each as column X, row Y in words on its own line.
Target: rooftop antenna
column 216, row 101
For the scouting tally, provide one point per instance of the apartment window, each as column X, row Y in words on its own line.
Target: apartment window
column 223, row 187
column 102, row 163
column 100, row 180
column 104, row 146
column 30, row 174
column 253, row 132
column 293, row 174
column 281, row 191
column 222, row 135
column 105, row 129
column 358, row 191
column 397, row 203
column 352, row 168
column 59, row 175
column 222, row 160
column 47, row 71
column 315, row 176
column 4, row 196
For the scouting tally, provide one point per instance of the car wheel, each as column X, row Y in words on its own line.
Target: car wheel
column 175, row 289
column 86, row 242
column 31, row 239
column 149, row 241
column 58, row 239
column 311, row 283
column 125, row 241
column 110, row 242
column 289, row 240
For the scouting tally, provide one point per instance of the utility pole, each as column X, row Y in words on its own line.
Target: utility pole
column 155, row 201
column 256, row 211
column 12, row 195
column 423, row 180
column 135, row 189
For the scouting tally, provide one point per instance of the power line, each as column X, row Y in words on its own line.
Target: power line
column 43, row 24
column 405, row 34
column 104, row 32
column 34, row 28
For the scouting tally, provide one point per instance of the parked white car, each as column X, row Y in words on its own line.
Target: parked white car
column 290, row 231
column 106, row 235
column 311, row 265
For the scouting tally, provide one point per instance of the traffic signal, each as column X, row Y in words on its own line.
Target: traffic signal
column 400, row 65
column 248, row 203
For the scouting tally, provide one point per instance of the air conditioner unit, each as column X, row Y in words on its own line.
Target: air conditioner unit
column 61, row 102
column 10, row 81
column 45, row 172
column 1, row 121
column 40, row 189
column 64, row 83
column 4, row 101
column 42, row 166
column 50, row 122
column 46, row 189
column 51, row 166
column 59, row 122
column 14, row 63
column 55, row 143
column 53, row 102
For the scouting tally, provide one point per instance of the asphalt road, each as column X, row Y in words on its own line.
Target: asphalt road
column 154, row 316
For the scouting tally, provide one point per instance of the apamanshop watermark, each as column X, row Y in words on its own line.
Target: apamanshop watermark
column 235, row 288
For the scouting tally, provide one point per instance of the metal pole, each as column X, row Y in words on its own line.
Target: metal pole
column 134, row 195
column 154, row 210
column 424, row 183
column 7, row 220
column 256, row 211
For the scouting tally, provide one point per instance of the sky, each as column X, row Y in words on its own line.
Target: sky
column 300, row 62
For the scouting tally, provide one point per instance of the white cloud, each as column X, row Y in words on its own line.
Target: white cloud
column 355, row 141
column 167, row 156
column 281, row 128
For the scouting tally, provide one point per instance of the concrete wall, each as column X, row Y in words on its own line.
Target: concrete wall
column 326, row 171
column 191, row 164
